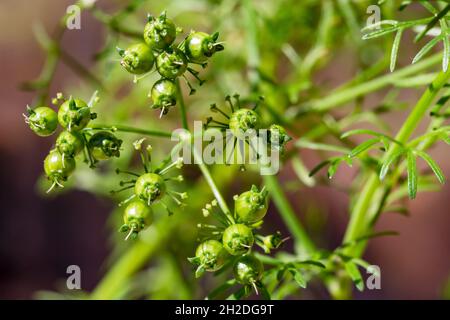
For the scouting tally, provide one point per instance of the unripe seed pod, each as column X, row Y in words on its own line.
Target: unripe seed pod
column 238, row 239
column 211, row 255
column 74, row 115
column 42, row 120
column 57, row 167
column 137, row 217
column 160, row 33
column 243, row 120
column 137, row 59
column 164, row 94
column 104, row 145
column 251, row 206
column 70, row 143
column 248, row 270
column 171, row 64
column 278, row 137
column 199, row 46
column 150, row 187
column 139, row 214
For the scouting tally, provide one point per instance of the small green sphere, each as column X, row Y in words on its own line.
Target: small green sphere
column 199, row 46
column 251, row 206
column 74, row 115
column 164, row 94
column 248, row 270
column 57, row 167
column 104, row 145
column 171, row 64
column 243, row 120
column 272, row 241
column 237, row 239
column 70, row 143
column 137, row 59
column 278, row 137
column 160, row 33
column 138, row 215
column 43, row 121
column 211, row 255
column 150, row 187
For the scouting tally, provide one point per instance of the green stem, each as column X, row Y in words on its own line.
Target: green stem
column 343, row 96
column 303, row 242
column 361, row 209
column 182, row 106
column 207, row 175
column 253, row 57
column 122, row 128
column 199, row 161
column 81, row 70
column 112, row 22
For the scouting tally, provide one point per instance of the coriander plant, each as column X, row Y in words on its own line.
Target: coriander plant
column 248, row 71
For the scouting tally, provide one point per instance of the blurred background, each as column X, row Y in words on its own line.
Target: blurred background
column 40, row 235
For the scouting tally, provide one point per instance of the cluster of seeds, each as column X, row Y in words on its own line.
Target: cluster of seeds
column 73, row 115
column 234, row 239
column 148, row 188
column 229, row 243
column 242, row 124
column 171, row 60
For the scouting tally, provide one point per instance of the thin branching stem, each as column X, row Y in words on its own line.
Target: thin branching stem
column 341, row 97
column 303, row 242
column 182, row 106
column 130, row 129
column 358, row 221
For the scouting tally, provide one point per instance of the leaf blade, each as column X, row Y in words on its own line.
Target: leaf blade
column 385, row 167
column 412, row 174
column 395, row 47
column 426, row 48
column 363, row 147
column 298, row 277
column 433, row 165
column 355, row 275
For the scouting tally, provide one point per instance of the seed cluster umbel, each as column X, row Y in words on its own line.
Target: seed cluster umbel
column 158, row 49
